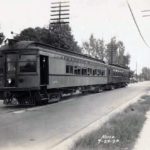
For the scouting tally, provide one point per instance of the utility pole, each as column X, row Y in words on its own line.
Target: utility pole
column 59, row 17
column 145, row 11
column 60, row 12
column 111, row 55
column 136, row 72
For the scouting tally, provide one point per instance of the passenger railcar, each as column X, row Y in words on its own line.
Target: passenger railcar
column 118, row 76
column 32, row 72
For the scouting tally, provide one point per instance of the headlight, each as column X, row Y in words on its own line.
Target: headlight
column 9, row 81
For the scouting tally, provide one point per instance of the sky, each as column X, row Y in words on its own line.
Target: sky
column 103, row 18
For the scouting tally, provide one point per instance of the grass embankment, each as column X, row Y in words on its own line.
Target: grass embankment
column 120, row 132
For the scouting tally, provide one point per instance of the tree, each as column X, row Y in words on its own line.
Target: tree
column 100, row 50
column 123, row 60
column 59, row 36
column 87, row 46
column 126, row 60
column 90, row 46
column 63, row 38
column 32, row 34
column 94, row 48
column 115, row 53
column 145, row 73
column 2, row 37
column 111, row 51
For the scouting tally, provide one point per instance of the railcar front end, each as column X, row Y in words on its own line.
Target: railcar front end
column 19, row 80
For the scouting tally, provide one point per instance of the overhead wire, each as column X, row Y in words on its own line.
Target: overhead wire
column 140, row 33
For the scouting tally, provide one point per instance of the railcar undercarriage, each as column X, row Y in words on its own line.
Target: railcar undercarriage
column 31, row 98
column 44, row 96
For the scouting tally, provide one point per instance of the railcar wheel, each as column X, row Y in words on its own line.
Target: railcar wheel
column 59, row 97
column 84, row 92
column 54, row 97
column 98, row 89
column 109, row 87
column 15, row 101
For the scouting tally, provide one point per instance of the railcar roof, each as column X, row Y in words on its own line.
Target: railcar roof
column 118, row 66
column 13, row 44
column 16, row 45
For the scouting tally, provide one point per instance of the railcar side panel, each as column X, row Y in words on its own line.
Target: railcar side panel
column 58, row 77
column 60, row 81
column 57, row 66
column 28, row 81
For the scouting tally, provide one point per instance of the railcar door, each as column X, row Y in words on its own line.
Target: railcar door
column 44, row 70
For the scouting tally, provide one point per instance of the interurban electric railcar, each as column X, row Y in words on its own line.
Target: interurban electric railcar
column 32, row 73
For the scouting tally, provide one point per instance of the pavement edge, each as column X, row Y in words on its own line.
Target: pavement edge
column 67, row 143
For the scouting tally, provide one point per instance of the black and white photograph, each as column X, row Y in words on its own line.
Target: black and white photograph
column 74, row 75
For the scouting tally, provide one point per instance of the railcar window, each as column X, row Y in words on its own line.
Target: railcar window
column 11, row 67
column 98, row 72
column 103, row 72
column 27, row 66
column 89, row 70
column 84, row 71
column 77, row 70
column 11, row 57
column 27, row 63
column 27, row 58
column 94, row 72
column 113, row 73
column 109, row 72
column 69, row 69
column 11, row 63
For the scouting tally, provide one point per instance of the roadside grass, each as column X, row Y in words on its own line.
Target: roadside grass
column 120, row 132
